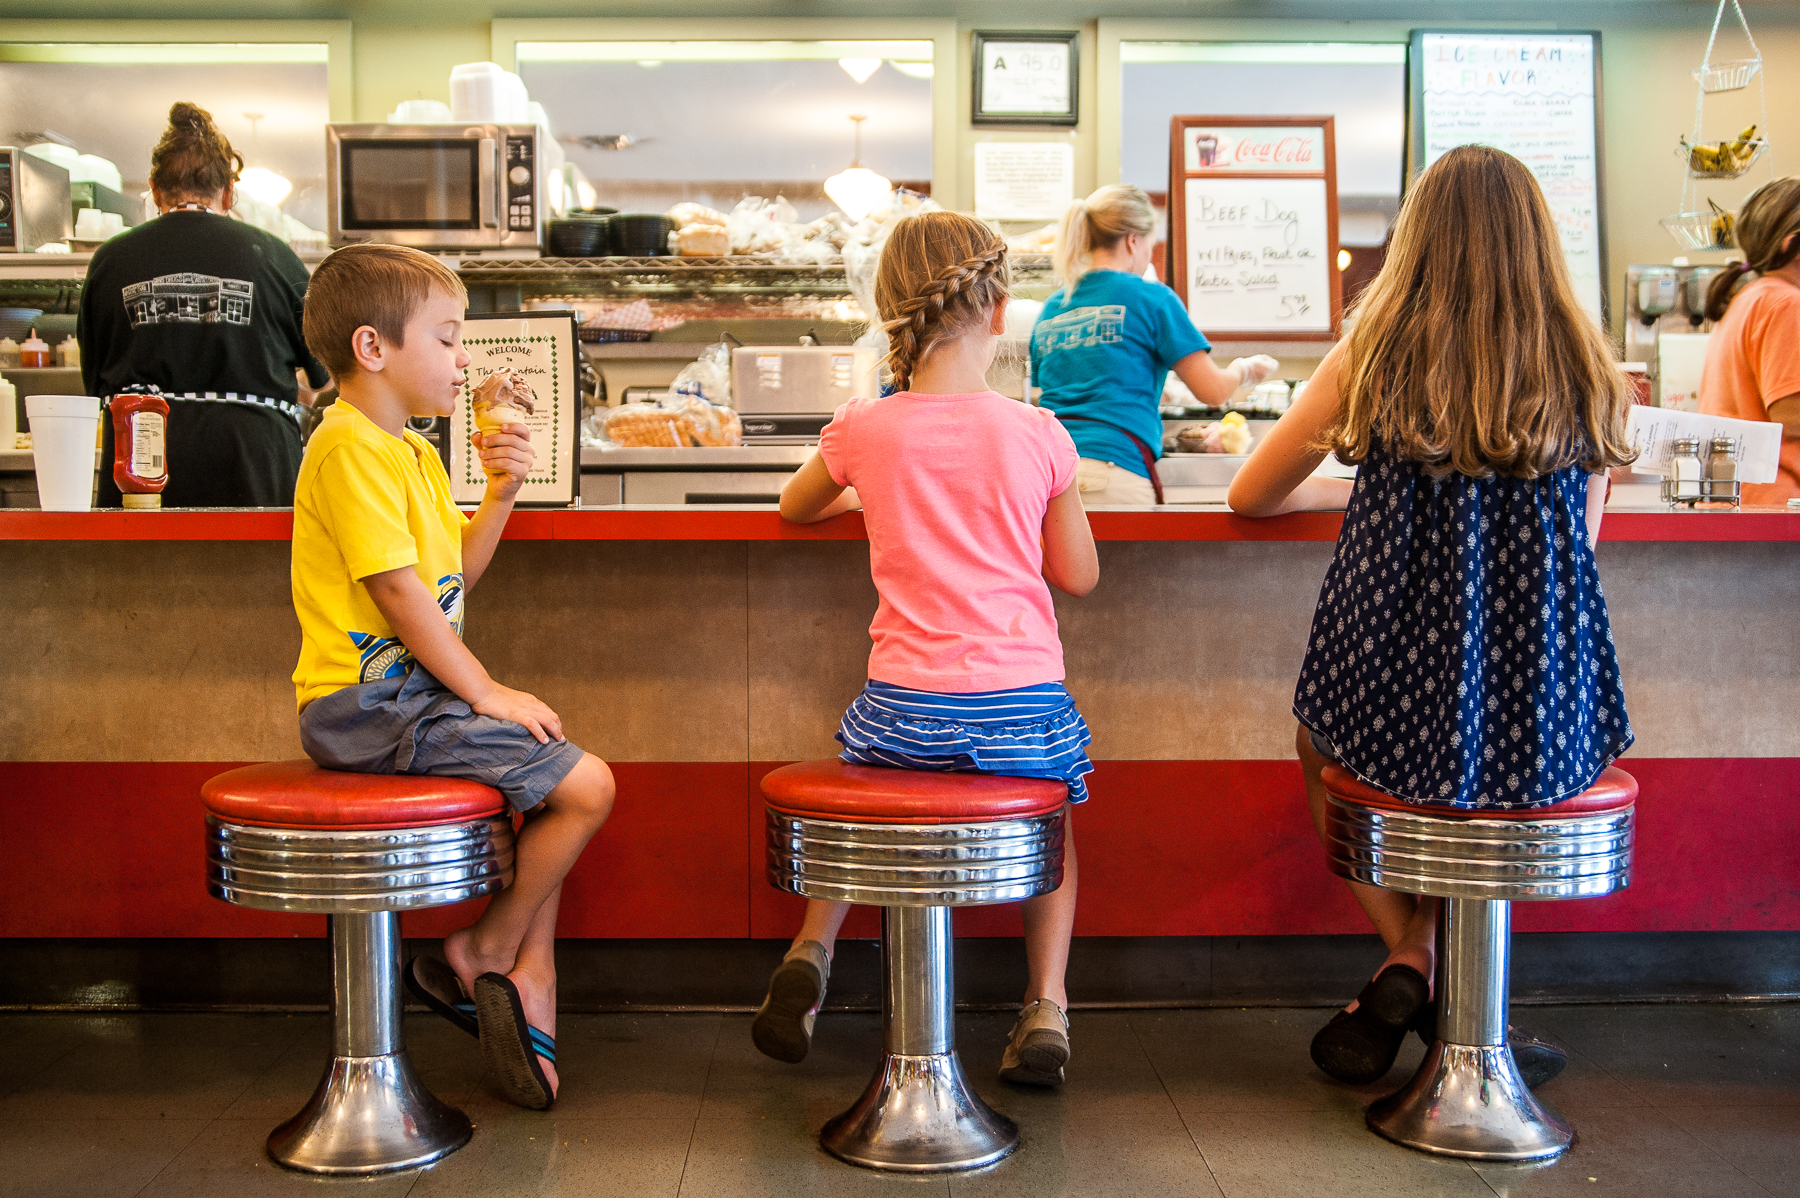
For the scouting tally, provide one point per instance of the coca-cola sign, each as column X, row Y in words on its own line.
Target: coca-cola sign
column 1279, row 148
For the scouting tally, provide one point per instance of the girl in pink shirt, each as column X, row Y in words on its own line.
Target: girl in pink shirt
column 972, row 515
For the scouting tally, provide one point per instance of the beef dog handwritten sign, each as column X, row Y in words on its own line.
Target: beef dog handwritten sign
column 1253, row 231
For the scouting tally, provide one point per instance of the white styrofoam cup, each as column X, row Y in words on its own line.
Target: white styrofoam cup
column 64, row 429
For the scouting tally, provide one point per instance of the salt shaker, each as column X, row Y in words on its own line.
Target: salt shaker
column 1682, row 483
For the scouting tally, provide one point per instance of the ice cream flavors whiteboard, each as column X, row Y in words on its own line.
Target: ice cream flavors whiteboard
column 542, row 348
column 1532, row 95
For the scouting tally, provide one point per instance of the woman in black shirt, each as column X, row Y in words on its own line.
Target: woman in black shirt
column 207, row 310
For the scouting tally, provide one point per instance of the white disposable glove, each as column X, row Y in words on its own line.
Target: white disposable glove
column 1256, row 368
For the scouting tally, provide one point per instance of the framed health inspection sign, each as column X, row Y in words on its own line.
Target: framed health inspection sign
column 542, row 347
column 1253, row 225
column 1025, row 78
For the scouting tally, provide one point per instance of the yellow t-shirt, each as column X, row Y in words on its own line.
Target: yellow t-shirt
column 366, row 502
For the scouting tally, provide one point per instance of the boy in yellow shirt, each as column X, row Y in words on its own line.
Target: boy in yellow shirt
column 382, row 558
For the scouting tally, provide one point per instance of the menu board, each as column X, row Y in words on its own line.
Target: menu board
column 542, row 347
column 1253, row 225
column 1536, row 96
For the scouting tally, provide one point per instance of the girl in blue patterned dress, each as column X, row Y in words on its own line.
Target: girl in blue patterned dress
column 1460, row 655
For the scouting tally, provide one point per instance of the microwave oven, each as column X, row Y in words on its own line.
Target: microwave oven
column 435, row 187
column 34, row 202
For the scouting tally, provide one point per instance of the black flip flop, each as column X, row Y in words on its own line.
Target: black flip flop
column 511, row 1045
column 434, row 983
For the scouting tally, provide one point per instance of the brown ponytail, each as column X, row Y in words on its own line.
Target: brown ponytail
column 193, row 160
column 1765, row 222
column 940, row 273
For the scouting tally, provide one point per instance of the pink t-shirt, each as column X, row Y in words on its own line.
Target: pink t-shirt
column 954, row 489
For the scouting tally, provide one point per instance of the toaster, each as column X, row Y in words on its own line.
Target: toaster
column 800, row 379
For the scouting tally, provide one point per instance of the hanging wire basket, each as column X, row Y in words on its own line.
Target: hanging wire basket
column 1731, row 76
column 1698, row 230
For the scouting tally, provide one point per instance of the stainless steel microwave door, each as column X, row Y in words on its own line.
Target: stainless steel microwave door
column 411, row 183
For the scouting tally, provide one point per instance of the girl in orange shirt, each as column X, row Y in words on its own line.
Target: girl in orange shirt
column 1753, row 361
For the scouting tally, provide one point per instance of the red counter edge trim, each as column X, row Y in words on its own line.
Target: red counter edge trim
column 712, row 524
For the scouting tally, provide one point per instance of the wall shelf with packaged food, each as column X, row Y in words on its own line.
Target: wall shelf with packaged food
column 676, row 277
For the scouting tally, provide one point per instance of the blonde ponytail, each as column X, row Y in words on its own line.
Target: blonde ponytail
column 1099, row 222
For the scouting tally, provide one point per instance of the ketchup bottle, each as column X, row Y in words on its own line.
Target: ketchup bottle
column 140, row 447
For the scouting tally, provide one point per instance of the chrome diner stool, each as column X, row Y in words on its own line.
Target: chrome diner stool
column 1467, row 1098
column 360, row 849
column 915, row 844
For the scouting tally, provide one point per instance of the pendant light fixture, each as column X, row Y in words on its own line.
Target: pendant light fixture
column 860, row 69
column 858, row 189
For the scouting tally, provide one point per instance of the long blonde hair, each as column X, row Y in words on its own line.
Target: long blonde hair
column 1097, row 223
column 940, row 273
column 1469, row 352
column 1764, row 222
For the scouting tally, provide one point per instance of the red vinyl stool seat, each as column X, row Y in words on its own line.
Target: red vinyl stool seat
column 836, row 790
column 1467, row 1098
column 298, row 794
column 358, row 848
column 1614, row 790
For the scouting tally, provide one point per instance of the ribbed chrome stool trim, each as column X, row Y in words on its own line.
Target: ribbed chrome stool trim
column 328, row 872
column 1580, row 856
column 916, row 865
column 1467, row 1098
column 918, row 1113
column 370, row 1113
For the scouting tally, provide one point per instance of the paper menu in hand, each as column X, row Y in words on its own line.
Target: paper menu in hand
column 1650, row 431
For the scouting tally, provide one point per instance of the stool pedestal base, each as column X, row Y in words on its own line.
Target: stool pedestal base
column 1468, row 1100
column 369, row 1115
column 919, row 1116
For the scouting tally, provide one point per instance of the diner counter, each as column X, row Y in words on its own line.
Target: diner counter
column 744, row 522
column 697, row 648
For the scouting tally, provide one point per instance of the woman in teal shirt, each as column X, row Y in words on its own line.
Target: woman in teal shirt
column 1108, row 339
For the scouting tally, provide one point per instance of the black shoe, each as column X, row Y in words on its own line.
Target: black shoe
column 1359, row 1046
column 1539, row 1062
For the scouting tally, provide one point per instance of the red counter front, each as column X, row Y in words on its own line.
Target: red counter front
column 696, row 649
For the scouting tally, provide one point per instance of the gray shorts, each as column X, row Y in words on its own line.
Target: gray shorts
column 416, row 725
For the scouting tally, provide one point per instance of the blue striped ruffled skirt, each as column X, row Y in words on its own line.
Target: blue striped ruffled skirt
column 1030, row 732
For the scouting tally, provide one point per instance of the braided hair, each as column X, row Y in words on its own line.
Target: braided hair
column 1767, row 219
column 941, row 273
column 193, row 160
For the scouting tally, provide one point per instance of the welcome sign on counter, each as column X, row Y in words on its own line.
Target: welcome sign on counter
column 542, row 347
column 1253, row 237
column 1534, row 96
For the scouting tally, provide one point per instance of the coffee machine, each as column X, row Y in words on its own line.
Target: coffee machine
column 1662, row 300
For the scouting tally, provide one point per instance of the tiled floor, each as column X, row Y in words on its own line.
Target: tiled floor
column 1688, row 1100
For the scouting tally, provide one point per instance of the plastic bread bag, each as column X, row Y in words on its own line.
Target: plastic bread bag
column 645, row 425
column 691, row 213
column 503, row 397
column 751, row 224
column 705, row 423
column 708, row 377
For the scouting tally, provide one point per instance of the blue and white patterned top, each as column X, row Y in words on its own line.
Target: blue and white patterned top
column 1461, row 654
